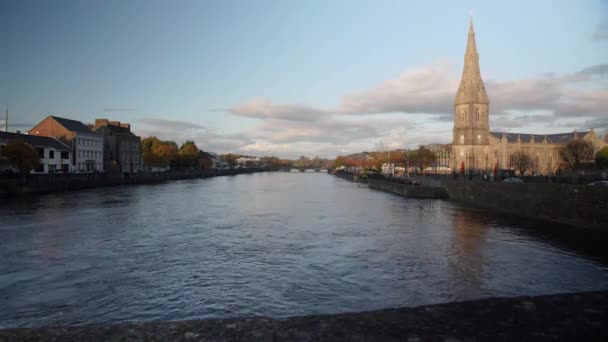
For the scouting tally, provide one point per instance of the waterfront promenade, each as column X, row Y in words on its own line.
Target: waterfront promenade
column 50, row 183
column 577, row 205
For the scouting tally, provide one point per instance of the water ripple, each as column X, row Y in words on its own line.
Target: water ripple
column 278, row 245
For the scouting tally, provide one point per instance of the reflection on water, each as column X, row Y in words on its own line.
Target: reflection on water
column 274, row 244
column 467, row 258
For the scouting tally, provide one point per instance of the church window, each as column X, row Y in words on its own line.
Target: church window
column 477, row 115
column 462, row 139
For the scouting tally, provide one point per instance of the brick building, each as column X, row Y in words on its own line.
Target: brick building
column 87, row 147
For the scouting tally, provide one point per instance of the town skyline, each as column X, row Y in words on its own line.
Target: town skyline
column 329, row 93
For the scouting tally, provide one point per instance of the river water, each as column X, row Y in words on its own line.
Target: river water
column 273, row 244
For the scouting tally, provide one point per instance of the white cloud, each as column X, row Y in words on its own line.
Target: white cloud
column 413, row 108
column 428, row 89
column 264, row 109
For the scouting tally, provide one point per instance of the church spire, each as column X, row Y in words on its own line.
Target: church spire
column 471, row 89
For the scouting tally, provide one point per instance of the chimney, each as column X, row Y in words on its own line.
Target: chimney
column 101, row 122
column 126, row 125
column 114, row 123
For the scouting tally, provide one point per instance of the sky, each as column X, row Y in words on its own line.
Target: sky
column 291, row 77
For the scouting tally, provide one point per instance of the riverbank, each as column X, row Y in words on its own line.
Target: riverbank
column 408, row 190
column 562, row 317
column 42, row 184
column 576, row 205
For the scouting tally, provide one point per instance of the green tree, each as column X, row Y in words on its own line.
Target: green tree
column 576, row 152
column 22, row 155
column 601, row 158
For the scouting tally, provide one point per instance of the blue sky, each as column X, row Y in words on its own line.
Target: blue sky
column 301, row 77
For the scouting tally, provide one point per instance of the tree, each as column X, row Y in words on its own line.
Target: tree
column 601, row 158
column 422, row 157
column 230, row 159
column 166, row 153
column 576, row 152
column 188, row 155
column 522, row 162
column 148, row 143
column 22, row 155
column 205, row 163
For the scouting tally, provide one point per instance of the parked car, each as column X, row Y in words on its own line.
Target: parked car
column 602, row 183
column 513, row 180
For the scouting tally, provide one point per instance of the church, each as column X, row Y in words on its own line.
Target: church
column 475, row 148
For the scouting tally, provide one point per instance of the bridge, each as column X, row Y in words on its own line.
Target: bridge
column 302, row 168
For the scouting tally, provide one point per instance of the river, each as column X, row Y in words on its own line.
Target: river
column 272, row 244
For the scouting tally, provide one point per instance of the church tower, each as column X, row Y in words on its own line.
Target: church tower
column 470, row 141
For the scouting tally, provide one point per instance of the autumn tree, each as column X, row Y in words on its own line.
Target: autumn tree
column 22, row 155
column 150, row 158
column 576, row 152
column 187, row 156
column 167, row 152
column 522, row 162
column 601, row 158
column 422, row 157
column 230, row 159
column 148, row 143
column 205, row 163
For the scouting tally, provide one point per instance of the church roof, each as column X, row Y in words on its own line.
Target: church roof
column 557, row 138
column 471, row 89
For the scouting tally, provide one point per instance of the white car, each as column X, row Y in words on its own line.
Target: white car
column 602, row 184
column 513, row 180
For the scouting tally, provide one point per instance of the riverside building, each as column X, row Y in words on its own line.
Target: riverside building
column 477, row 149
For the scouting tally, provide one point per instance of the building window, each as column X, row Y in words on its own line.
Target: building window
column 462, row 139
column 65, row 155
column 477, row 115
column 51, row 154
column 40, row 153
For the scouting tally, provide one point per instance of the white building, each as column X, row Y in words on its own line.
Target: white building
column 248, row 161
column 87, row 147
column 55, row 156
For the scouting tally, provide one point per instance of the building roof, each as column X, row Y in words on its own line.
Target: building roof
column 114, row 129
column 208, row 155
column 73, row 125
column 36, row 140
column 557, row 138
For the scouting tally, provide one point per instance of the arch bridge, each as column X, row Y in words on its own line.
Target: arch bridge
column 302, row 168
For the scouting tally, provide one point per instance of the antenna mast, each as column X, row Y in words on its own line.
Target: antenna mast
column 6, row 120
